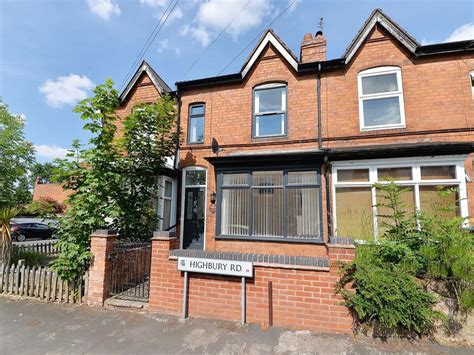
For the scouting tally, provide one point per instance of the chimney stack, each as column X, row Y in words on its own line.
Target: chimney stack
column 313, row 49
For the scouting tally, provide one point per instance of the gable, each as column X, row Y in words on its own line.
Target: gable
column 378, row 18
column 278, row 47
column 145, row 72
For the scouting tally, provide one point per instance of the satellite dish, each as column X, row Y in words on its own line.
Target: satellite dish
column 215, row 146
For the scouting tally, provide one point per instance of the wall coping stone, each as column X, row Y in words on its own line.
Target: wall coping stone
column 265, row 259
column 161, row 235
column 341, row 242
column 104, row 233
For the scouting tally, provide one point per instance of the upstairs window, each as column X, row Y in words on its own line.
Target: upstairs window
column 381, row 98
column 196, row 123
column 269, row 110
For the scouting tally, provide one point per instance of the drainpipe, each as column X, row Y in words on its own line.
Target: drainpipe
column 327, row 173
column 178, row 101
column 327, row 168
column 318, row 93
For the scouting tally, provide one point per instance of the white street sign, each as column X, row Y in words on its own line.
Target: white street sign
column 216, row 266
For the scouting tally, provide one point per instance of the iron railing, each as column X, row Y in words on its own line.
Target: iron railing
column 130, row 270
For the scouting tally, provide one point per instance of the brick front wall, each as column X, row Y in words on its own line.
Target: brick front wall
column 302, row 299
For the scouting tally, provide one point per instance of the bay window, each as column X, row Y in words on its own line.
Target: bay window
column 358, row 213
column 381, row 98
column 269, row 204
column 269, row 110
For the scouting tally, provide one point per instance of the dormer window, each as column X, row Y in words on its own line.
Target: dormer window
column 196, row 123
column 381, row 99
column 269, row 110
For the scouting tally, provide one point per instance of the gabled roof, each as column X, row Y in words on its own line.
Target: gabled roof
column 159, row 83
column 378, row 17
column 269, row 37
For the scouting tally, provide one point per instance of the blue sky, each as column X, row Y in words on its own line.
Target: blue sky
column 52, row 52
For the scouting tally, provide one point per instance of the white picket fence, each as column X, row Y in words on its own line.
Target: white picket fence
column 41, row 283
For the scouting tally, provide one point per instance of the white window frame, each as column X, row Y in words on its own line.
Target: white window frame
column 399, row 94
column 283, row 112
column 162, row 197
column 192, row 129
column 183, row 191
column 415, row 163
column 471, row 82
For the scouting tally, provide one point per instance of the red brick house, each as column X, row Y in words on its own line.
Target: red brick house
column 147, row 86
column 281, row 156
column 277, row 165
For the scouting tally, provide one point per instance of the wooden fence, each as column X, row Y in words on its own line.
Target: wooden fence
column 46, row 248
column 41, row 283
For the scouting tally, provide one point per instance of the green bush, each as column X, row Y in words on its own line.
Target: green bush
column 387, row 295
column 31, row 258
column 418, row 251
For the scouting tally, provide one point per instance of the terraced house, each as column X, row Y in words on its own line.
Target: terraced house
column 282, row 156
column 277, row 165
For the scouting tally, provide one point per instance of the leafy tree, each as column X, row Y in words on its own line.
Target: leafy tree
column 113, row 178
column 16, row 158
column 93, row 175
column 44, row 172
column 149, row 137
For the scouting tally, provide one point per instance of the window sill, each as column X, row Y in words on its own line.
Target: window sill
column 382, row 128
column 318, row 240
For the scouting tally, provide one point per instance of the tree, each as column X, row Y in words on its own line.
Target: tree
column 16, row 158
column 43, row 172
column 113, row 179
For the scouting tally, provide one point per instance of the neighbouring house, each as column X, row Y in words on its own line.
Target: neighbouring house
column 147, row 86
column 50, row 191
column 277, row 165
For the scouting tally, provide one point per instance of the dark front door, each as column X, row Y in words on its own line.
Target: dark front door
column 193, row 234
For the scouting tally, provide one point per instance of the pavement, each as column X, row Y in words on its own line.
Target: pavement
column 33, row 327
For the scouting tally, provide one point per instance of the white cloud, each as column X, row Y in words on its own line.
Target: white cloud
column 292, row 7
column 215, row 15
column 164, row 46
column 66, row 90
column 425, row 42
column 200, row 34
column 462, row 33
column 159, row 6
column 104, row 8
column 50, row 151
column 154, row 3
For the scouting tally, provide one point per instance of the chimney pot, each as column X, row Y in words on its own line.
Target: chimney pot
column 313, row 49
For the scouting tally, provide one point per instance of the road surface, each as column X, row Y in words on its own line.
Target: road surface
column 34, row 327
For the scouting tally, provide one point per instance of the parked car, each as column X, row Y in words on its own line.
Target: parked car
column 22, row 231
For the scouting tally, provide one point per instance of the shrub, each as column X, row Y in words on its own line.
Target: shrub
column 31, row 258
column 417, row 251
column 386, row 293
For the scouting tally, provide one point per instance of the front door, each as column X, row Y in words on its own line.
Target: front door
column 193, row 234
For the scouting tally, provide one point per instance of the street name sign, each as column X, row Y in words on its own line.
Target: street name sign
column 216, row 266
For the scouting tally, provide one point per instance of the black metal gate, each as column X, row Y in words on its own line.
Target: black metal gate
column 130, row 270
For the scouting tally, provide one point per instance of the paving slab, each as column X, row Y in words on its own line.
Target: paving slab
column 33, row 327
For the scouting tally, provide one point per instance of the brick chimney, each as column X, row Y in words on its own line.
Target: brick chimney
column 313, row 49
